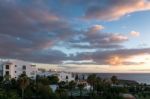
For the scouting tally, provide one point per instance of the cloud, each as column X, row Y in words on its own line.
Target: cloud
column 29, row 30
column 108, row 10
column 135, row 33
column 112, row 57
column 37, row 25
column 96, row 28
column 26, row 31
column 95, row 38
column 98, row 9
column 114, row 60
column 116, row 38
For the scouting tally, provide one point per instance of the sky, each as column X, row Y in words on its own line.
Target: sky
column 77, row 35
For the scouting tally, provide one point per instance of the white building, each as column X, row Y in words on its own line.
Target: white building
column 46, row 73
column 65, row 76
column 14, row 68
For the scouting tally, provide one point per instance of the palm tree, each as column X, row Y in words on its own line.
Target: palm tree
column 81, row 86
column 53, row 79
column 98, row 83
column 6, row 84
column 114, row 79
column 7, row 77
column 72, row 85
column 92, row 80
column 23, row 83
column 44, row 91
column 60, row 91
column 62, row 84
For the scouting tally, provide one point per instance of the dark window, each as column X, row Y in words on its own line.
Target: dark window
column 15, row 65
column 24, row 67
column 66, row 77
column 7, row 72
column 15, row 71
column 7, row 66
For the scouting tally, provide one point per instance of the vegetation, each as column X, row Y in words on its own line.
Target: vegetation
column 23, row 82
column 26, row 88
column 81, row 87
column 114, row 79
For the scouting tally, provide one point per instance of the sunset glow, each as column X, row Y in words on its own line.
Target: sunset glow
column 77, row 35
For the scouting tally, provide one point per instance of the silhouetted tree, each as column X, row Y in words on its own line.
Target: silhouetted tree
column 23, row 82
column 81, row 87
column 92, row 81
column 72, row 85
column 114, row 79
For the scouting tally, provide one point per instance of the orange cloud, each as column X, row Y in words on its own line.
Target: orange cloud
column 113, row 11
column 115, row 60
column 135, row 33
column 116, row 38
column 96, row 28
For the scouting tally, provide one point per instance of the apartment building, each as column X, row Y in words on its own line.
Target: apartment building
column 14, row 68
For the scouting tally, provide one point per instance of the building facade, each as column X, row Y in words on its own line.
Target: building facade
column 15, row 68
column 66, row 77
column 62, row 76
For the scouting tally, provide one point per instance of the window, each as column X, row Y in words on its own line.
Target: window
column 7, row 72
column 7, row 66
column 15, row 65
column 24, row 67
column 15, row 71
column 66, row 77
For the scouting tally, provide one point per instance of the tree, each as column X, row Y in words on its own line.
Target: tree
column 12, row 95
column 62, row 84
column 114, row 79
column 43, row 80
column 13, row 83
column 44, row 91
column 60, row 91
column 81, row 87
column 1, row 78
column 92, row 80
column 72, row 85
column 7, row 77
column 23, row 82
column 53, row 79
column 6, row 84
column 98, row 84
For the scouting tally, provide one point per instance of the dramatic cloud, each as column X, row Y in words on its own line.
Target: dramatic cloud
column 112, row 57
column 26, row 31
column 114, row 9
column 94, row 38
column 31, row 29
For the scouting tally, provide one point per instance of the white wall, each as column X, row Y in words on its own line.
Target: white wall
column 62, row 76
column 16, row 68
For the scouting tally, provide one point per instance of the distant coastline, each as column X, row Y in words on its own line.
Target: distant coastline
column 138, row 77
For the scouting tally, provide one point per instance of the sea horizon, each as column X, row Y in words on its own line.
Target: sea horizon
column 141, row 78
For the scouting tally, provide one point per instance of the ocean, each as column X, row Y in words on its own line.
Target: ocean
column 139, row 77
